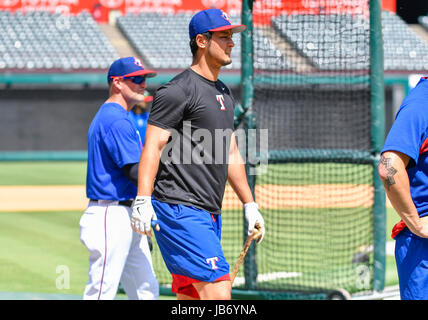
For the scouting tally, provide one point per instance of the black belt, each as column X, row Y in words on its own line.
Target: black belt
column 126, row 203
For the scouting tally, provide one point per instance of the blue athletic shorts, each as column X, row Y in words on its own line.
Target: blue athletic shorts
column 411, row 256
column 189, row 241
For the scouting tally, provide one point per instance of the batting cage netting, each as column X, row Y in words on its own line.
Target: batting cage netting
column 312, row 90
column 308, row 126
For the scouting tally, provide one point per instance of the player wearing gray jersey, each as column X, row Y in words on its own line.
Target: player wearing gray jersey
column 185, row 199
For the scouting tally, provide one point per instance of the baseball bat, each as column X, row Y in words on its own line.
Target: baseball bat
column 155, row 225
column 254, row 236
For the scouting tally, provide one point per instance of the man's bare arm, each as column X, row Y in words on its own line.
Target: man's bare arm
column 237, row 176
column 389, row 171
column 392, row 171
column 156, row 139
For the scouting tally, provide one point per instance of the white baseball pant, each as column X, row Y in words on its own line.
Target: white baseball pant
column 116, row 254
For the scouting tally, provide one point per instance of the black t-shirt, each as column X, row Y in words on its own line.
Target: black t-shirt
column 199, row 114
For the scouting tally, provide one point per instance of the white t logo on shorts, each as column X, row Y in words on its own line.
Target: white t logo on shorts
column 212, row 261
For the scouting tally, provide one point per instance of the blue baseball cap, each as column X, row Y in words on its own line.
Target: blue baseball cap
column 128, row 67
column 212, row 20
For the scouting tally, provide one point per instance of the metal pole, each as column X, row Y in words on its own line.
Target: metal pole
column 247, row 89
column 377, row 135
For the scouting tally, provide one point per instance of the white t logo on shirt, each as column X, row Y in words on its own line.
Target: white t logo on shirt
column 220, row 99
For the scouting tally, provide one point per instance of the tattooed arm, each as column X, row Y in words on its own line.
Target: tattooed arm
column 392, row 171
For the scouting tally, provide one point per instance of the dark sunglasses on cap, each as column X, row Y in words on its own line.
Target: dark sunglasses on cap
column 135, row 79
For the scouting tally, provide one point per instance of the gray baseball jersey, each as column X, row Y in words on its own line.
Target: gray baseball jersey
column 199, row 114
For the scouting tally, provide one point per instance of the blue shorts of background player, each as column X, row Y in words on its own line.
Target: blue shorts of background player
column 411, row 255
column 189, row 241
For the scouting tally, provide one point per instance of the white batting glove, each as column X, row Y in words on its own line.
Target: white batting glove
column 254, row 218
column 143, row 216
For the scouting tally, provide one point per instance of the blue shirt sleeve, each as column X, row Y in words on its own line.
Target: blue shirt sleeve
column 123, row 143
column 409, row 130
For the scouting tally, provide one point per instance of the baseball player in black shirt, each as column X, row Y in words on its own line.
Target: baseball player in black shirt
column 189, row 155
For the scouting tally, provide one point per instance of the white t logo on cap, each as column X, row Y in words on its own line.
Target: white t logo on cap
column 225, row 16
column 138, row 62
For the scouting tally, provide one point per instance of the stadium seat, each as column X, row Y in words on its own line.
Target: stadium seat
column 332, row 44
column 327, row 41
column 163, row 42
column 266, row 55
column 41, row 40
column 423, row 21
column 404, row 50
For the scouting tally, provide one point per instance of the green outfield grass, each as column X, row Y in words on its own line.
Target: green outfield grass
column 74, row 173
column 41, row 252
column 35, row 244
column 316, row 173
column 391, row 276
column 311, row 248
column 43, row 173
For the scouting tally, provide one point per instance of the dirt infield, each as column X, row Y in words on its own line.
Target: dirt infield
column 73, row 198
column 310, row 196
column 42, row 198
